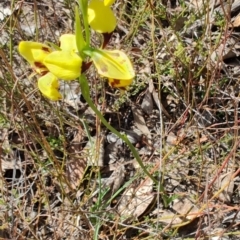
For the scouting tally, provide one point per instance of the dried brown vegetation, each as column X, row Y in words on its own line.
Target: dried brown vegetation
column 64, row 176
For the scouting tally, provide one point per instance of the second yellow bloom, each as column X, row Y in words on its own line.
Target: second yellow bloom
column 101, row 17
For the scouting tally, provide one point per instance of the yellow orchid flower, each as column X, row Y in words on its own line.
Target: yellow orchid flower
column 65, row 64
column 49, row 85
column 101, row 17
column 114, row 65
column 51, row 65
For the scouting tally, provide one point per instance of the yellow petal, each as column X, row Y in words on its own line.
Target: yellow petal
column 64, row 65
column 112, row 64
column 108, row 3
column 100, row 17
column 33, row 52
column 68, row 42
column 48, row 85
column 119, row 83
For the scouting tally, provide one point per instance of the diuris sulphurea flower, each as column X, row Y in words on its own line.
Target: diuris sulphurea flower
column 101, row 17
column 51, row 65
column 114, row 65
column 65, row 63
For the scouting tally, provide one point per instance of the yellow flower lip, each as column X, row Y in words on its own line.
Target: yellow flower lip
column 64, row 64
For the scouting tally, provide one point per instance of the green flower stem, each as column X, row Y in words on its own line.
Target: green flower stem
column 86, row 95
column 84, row 9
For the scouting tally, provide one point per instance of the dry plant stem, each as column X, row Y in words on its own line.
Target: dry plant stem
column 207, row 202
column 232, row 225
column 160, row 175
column 236, row 130
column 36, row 20
column 200, row 212
column 209, row 14
column 181, row 120
column 221, row 168
column 216, row 70
column 43, row 139
column 222, row 189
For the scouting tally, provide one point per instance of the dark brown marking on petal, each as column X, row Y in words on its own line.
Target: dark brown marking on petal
column 114, row 83
column 45, row 49
column 39, row 65
column 44, row 73
column 123, row 88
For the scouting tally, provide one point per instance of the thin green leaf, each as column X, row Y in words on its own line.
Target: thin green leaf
column 83, row 5
column 79, row 36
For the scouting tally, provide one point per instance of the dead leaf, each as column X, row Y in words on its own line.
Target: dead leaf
column 76, row 163
column 159, row 104
column 185, row 207
column 236, row 22
column 113, row 182
column 118, row 175
column 116, row 179
column 111, row 152
column 140, row 122
column 134, row 136
column 147, row 103
column 172, row 139
column 227, row 50
column 75, row 169
column 135, row 201
column 225, row 180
